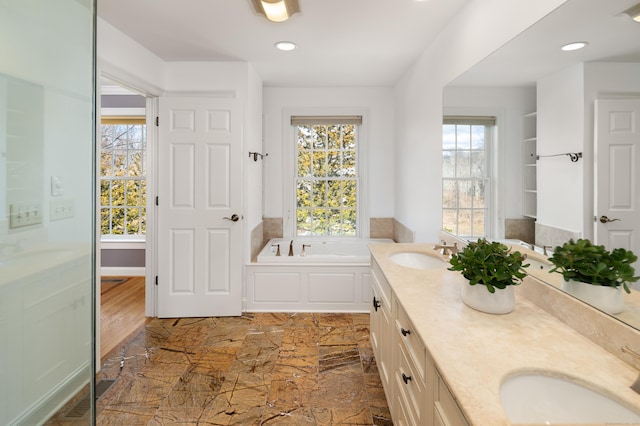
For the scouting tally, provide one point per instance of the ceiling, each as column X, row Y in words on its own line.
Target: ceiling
column 366, row 42
column 340, row 42
column 612, row 37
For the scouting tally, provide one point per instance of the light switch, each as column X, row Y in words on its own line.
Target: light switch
column 57, row 186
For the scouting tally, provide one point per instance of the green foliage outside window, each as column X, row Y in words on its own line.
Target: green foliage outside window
column 327, row 180
column 122, row 179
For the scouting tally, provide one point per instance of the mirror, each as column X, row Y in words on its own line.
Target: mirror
column 21, row 154
column 507, row 82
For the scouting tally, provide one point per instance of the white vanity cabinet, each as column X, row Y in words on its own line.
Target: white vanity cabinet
column 380, row 328
column 415, row 391
column 412, row 375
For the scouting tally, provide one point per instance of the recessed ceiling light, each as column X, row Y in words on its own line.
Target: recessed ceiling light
column 285, row 45
column 574, row 46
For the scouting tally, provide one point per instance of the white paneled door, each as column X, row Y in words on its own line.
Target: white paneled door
column 199, row 207
column 617, row 178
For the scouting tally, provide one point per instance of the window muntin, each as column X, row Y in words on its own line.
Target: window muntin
column 465, row 176
column 123, row 177
column 326, row 178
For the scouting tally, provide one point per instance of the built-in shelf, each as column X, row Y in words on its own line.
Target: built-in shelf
column 529, row 169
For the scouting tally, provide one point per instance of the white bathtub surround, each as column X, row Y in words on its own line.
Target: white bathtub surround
column 257, row 239
column 332, row 276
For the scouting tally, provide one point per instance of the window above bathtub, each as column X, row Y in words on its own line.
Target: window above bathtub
column 327, row 183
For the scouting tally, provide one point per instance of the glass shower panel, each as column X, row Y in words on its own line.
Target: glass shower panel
column 46, row 209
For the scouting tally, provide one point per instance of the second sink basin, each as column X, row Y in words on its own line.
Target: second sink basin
column 538, row 398
column 417, row 260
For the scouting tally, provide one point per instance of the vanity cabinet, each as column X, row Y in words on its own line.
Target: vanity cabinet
column 415, row 392
column 380, row 328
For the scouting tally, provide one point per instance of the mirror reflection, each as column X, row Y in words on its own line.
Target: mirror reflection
column 548, row 103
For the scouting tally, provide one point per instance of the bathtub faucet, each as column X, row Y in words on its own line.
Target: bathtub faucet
column 291, row 248
column 302, row 253
column 278, row 248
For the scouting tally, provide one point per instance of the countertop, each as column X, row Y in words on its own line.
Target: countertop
column 475, row 352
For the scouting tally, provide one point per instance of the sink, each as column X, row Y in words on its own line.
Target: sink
column 538, row 398
column 537, row 265
column 417, row 260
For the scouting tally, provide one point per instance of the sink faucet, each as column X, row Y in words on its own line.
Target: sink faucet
column 445, row 249
column 527, row 245
column 291, row 248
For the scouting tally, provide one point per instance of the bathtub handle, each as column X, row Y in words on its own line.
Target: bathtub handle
column 376, row 304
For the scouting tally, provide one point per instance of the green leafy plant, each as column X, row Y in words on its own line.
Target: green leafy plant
column 594, row 264
column 491, row 264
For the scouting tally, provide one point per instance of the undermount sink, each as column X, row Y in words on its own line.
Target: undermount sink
column 538, row 265
column 417, row 260
column 538, row 398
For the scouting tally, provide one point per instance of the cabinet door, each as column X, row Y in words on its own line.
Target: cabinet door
column 381, row 335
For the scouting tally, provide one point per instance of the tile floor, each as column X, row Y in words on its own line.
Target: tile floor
column 258, row 369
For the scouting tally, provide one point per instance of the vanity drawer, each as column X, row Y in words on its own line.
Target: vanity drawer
column 446, row 411
column 409, row 338
column 411, row 389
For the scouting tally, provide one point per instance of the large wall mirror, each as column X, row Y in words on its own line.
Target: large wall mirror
column 532, row 75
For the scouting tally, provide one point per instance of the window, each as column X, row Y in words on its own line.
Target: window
column 122, row 176
column 465, row 175
column 326, row 178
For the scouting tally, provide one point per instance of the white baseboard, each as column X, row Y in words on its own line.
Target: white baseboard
column 138, row 271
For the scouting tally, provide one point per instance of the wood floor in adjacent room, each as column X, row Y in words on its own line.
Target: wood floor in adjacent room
column 121, row 310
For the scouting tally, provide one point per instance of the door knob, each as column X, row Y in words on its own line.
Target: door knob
column 233, row 218
column 604, row 219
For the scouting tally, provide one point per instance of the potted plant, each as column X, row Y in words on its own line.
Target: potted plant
column 492, row 270
column 595, row 274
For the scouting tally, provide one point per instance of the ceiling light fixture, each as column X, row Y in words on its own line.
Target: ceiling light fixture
column 276, row 10
column 574, row 46
column 633, row 12
column 285, row 45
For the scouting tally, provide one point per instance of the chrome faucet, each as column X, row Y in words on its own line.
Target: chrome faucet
column 445, row 249
column 302, row 253
column 291, row 248
column 527, row 245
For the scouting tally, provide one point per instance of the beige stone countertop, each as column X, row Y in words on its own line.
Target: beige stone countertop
column 475, row 352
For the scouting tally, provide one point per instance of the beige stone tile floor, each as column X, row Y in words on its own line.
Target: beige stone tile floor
column 257, row 369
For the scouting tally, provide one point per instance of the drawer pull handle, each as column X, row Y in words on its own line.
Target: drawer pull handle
column 376, row 304
column 404, row 332
column 406, row 379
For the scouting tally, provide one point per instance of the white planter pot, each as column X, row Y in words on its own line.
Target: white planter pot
column 607, row 299
column 478, row 297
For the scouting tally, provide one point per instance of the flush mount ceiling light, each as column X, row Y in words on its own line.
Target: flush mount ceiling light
column 276, row 10
column 633, row 12
column 285, row 45
column 574, row 46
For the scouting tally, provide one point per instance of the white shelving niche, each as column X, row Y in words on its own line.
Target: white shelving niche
column 529, row 169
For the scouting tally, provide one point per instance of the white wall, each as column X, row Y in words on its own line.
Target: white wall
column 377, row 102
column 509, row 105
column 479, row 29
column 566, row 124
column 560, row 130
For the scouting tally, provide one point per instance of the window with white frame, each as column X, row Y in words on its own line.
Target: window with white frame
column 326, row 176
column 123, row 176
column 465, row 175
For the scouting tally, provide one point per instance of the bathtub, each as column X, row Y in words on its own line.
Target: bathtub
column 331, row 276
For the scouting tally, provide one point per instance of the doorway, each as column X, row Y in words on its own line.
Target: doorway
column 123, row 163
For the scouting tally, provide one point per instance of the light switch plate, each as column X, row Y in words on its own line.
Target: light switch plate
column 24, row 214
column 57, row 186
column 61, row 208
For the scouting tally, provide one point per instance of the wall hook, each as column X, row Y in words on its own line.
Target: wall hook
column 256, row 154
